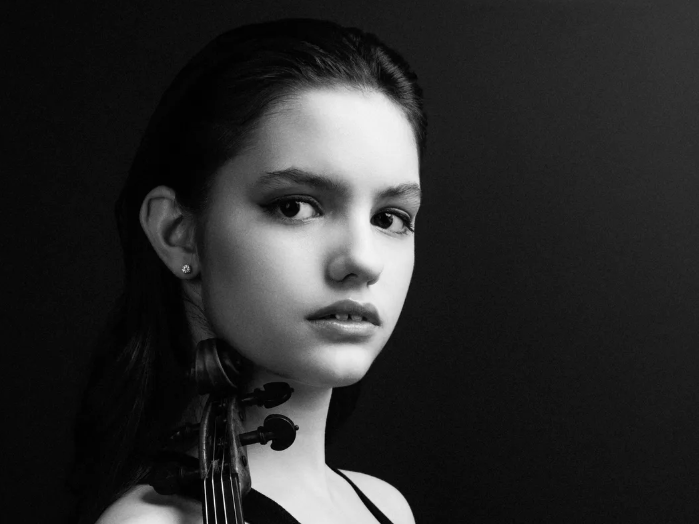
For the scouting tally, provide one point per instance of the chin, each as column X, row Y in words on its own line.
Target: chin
column 347, row 370
column 335, row 370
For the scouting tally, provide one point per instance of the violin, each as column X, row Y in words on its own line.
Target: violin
column 222, row 475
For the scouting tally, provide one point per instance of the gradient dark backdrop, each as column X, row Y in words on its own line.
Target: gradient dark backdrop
column 546, row 366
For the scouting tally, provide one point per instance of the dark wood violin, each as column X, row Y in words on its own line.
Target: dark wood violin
column 222, row 475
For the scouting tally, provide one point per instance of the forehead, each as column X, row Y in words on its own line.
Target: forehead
column 342, row 132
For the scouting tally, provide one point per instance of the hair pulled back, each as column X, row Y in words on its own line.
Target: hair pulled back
column 138, row 388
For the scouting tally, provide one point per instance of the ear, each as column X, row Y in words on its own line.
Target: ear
column 170, row 231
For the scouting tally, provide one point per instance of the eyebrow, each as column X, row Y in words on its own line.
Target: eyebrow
column 319, row 181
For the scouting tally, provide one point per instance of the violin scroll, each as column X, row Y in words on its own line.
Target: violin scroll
column 216, row 370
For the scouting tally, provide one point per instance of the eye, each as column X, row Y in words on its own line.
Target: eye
column 293, row 208
column 393, row 221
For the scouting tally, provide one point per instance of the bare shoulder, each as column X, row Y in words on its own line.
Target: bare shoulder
column 387, row 498
column 142, row 505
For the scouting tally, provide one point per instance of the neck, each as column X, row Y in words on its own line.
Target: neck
column 303, row 463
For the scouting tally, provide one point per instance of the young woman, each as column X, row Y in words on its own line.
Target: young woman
column 271, row 205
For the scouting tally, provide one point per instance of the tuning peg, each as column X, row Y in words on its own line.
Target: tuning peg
column 183, row 434
column 175, row 475
column 271, row 395
column 278, row 429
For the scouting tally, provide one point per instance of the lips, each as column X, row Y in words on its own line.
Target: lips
column 348, row 311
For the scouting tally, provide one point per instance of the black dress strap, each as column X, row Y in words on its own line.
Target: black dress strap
column 260, row 509
column 383, row 519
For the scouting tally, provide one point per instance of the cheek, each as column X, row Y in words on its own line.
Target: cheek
column 251, row 279
column 239, row 269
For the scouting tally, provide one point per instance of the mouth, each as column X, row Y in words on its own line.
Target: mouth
column 343, row 317
column 348, row 311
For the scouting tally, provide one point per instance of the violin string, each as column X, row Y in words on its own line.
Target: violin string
column 214, row 452
column 222, row 463
column 206, row 502
column 207, row 491
column 205, row 508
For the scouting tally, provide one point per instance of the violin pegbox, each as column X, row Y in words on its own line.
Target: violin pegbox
column 223, row 465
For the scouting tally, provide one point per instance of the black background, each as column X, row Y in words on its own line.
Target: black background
column 545, row 368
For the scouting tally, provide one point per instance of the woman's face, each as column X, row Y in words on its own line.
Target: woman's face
column 308, row 249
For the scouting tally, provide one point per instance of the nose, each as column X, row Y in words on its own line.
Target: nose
column 355, row 256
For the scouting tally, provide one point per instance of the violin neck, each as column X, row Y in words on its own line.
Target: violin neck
column 223, row 501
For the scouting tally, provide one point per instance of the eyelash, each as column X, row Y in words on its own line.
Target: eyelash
column 403, row 217
column 273, row 209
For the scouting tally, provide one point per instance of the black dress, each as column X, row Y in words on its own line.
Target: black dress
column 260, row 509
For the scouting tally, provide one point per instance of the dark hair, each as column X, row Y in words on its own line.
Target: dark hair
column 136, row 392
